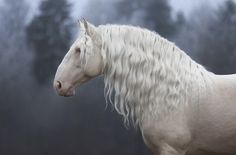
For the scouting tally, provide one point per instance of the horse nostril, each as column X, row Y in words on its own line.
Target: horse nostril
column 58, row 85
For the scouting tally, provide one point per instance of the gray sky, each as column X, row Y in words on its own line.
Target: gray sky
column 77, row 5
column 178, row 5
column 187, row 5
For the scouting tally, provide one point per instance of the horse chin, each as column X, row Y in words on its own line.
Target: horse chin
column 68, row 93
column 71, row 91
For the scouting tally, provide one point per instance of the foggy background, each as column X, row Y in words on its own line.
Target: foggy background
column 36, row 34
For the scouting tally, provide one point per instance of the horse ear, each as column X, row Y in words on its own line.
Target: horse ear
column 91, row 30
column 81, row 25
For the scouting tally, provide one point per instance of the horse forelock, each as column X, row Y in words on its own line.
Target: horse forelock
column 145, row 72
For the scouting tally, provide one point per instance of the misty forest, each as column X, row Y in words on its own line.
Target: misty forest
column 36, row 121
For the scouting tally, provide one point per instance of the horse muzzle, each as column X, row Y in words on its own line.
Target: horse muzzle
column 64, row 89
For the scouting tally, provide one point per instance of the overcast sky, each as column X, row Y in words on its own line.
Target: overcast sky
column 187, row 5
column 178, row 5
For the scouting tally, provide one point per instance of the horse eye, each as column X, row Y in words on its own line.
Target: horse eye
column 77, row 50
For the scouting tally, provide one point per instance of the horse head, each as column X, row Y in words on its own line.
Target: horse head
column 82, row 62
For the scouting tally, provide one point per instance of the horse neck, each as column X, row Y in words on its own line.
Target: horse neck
column 145, row 70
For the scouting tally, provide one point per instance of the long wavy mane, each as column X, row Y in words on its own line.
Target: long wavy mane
column 145, row 72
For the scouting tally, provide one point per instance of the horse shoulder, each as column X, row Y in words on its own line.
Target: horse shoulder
column 171, row 132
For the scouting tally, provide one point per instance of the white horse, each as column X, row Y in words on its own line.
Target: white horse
column 181, row 108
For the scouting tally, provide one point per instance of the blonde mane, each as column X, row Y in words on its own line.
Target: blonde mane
column 146, row 72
